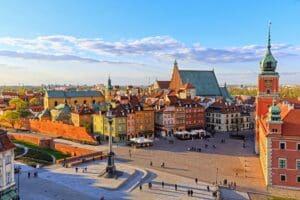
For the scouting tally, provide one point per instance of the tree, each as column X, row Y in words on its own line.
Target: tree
column 22, row 91
column 11, row 117
column 19, row 104
column 34, row 102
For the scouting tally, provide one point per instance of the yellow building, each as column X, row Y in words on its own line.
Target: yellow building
column 82, row 117
column 119, row 124
column 55, row 97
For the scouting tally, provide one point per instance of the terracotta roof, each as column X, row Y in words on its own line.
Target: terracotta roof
column 163, row 84
column 188, row 86
column 5, row 143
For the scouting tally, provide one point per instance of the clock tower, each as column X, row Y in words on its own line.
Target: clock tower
column 268, row 86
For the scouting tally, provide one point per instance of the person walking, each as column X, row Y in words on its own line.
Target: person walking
column 192, row 193
column 141, row 187
column 28, row 174
column 76, row 169
column 196, row 180
column 175, row 187
column 188, row 192
column 162, row 184
column 208, row 188
column 151, row 163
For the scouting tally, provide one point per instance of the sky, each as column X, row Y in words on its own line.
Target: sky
column 136, row 42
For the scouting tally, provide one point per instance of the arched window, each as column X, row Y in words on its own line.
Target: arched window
column 268, row 91
column 84, row 102
column 55, row 103
column 94, row 101
column 75, row 102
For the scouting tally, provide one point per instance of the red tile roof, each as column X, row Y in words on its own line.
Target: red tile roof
column 5, row 143
column 163, row 84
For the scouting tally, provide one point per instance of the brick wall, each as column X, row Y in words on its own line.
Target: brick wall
column 44, row 142
column 71, row 150
column 62, row 130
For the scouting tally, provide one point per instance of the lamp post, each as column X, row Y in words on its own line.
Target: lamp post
column 110, row 168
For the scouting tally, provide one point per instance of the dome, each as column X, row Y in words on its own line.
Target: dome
column 274, row 112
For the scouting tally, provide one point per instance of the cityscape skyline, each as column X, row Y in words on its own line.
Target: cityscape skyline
column 83, row 43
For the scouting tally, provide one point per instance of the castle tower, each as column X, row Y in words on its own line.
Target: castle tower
column 268, row 86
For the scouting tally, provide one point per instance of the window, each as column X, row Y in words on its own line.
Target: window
column 55, row 103
column 282, row 163
column 298, row 179
column 282, row 177
column 7, row 159
column 282, row 145
column 298, row 164
column 298, row 146
column 8, row 178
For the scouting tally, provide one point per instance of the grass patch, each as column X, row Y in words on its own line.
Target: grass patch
column 32, row 162
column 19, row 151
column 57, row 154
column 280, row 198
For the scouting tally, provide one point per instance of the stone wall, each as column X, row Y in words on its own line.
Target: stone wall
column 60, row 129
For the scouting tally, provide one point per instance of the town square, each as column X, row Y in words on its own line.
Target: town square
column 149, row 100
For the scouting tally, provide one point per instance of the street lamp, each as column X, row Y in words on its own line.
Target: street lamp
column 110, row 168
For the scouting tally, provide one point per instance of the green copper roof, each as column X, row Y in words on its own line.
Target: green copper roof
column 109, row 86
column 72, row 94
column 64, row 108
column 205, row 82
column 274, row 111
column 225, row 93
column 268, row 63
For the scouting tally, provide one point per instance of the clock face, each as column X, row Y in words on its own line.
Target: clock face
column 268, row 83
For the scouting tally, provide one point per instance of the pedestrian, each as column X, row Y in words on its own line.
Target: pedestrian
column 76, row 169
column 82, row 170
column 150, row 185
column 175, row 187
column 93, row 158
column 196, row 180
column 85, row 169
column 208, row 188
column 192, row 193
column 234, row 185
column 141, row 187
column 162, row 184
column 28, row 174
column 151, row 163
column 188, row 192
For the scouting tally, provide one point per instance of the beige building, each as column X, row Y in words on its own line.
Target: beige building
column 72, row 98
column 7, row 173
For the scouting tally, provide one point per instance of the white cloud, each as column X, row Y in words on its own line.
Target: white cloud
column 157, row 47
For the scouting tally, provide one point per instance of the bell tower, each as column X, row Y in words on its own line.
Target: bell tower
column 268, row 86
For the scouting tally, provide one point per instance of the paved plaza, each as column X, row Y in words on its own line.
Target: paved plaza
column 229, row 160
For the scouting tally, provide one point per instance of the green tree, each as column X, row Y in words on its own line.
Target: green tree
column 34, row 102
column 11, row 117
column 22, row 91
column 19, row 104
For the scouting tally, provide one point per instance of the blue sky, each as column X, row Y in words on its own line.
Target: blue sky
column 82, row 41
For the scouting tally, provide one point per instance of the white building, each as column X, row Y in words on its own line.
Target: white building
column 225, row 116
column 7, row 180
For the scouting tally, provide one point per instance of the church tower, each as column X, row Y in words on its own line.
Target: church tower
column 108, row 91
column 268, row 87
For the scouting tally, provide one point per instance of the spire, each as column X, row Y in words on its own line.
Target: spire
column 269, row 37
column 109, row 86
column 175, row 63
column 268, row 64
